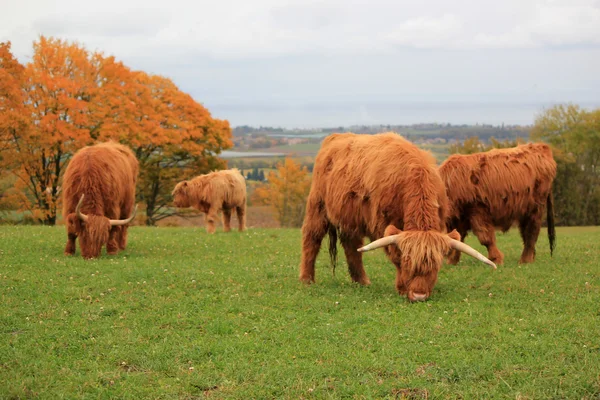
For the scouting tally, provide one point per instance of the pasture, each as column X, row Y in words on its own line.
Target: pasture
column 183, row 314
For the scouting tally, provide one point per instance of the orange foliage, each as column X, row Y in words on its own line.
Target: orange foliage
column 286, row 191
column 67, row 97
column 12, row 113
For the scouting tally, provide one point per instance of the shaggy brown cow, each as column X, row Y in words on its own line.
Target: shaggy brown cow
column 98, row 198
column 495, row 189
column 213, row 192
column 374, row 186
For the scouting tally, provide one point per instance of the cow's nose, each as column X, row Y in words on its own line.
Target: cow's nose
column 418, row 297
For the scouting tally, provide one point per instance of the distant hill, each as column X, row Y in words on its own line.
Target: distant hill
column 258, row 143
column 415, row 132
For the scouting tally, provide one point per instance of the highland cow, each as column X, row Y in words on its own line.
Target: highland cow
column 499, row 188
column 99, row 197
column 217, row 191
column 385, row 188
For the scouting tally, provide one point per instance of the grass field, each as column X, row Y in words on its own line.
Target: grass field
column 182, row 314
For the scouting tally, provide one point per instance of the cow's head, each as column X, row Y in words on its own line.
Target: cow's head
column 181, row 197
column 93, row 230
column 420, row 255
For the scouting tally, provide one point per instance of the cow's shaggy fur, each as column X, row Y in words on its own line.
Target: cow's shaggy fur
column 106, row 174
column 376, row 186
column 217, row 191
column 498, row 188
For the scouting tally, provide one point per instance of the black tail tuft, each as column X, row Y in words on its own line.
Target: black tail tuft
column 332, row 245
column 550, row 222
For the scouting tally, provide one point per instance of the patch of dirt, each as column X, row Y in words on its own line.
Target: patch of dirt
column 410, row 394
column 423, row 368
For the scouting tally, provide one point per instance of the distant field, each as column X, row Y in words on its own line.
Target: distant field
column 300, row 149
column 440, row 151
column 186, row 315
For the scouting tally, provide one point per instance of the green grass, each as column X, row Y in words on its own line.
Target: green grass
column 182, row 314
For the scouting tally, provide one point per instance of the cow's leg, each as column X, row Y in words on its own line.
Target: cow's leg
column 483, row 228
column 73, row 226
column 211, row 218
column 112, row 246
column 314, row 229
column 126, row 212
column 70, row 248
column 226, row 219
column 241, row 214
column 454, row 255
column 529, row 227
column 122, row 237
column 400, row 281
column 354, row 259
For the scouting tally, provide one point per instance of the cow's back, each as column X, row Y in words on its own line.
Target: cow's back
column 106, row 173
column 366, row 182
column 226, row 186
column 508, row 182
column 236, row 195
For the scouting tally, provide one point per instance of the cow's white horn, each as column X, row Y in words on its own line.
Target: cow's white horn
column 465, row 248
column 385, row 241
column 80, row 215
column 119, row 222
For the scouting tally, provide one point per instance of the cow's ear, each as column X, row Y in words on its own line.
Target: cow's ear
column 185, row 183
column 391, row 230
column 454, row 235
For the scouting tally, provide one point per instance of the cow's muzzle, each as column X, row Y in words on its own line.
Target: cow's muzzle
column 417, row 296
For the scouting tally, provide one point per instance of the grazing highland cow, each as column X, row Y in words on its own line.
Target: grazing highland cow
column 385, row 188
column 495, row 189
column 211, row 193
column 98, row 198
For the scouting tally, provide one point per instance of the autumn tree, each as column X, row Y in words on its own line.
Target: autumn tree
column 12, row 119
column 67, row 98
column 173, row 136
column 286, row 191
column 52, row 104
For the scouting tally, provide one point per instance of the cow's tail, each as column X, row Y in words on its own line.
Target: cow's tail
column 332, row 245
column 550, row 222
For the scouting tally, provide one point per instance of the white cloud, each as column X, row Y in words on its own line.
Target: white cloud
column 278, row 51
column 259, row 28
column 553, row 23
column 427, row 32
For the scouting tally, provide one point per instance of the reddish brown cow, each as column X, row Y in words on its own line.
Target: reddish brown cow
column 98, row 198
column 498, row 188
column 217, row 191
column 385, row 188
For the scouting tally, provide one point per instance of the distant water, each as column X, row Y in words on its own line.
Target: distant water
column 401, row 113
column 237, row 154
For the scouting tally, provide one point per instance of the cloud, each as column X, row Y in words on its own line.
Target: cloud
column 552, row 24
column 278, row 52
column 122, row 24
column 427, row 32
column 237, row 29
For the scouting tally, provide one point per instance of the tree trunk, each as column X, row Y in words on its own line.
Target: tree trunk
column 150, row 217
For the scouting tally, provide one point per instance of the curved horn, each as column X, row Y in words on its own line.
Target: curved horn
column 119, row 222
column 465, row 248
column 81, row 215
column 385, row 241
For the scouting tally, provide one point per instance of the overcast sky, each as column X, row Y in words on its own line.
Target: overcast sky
column 339, row 62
